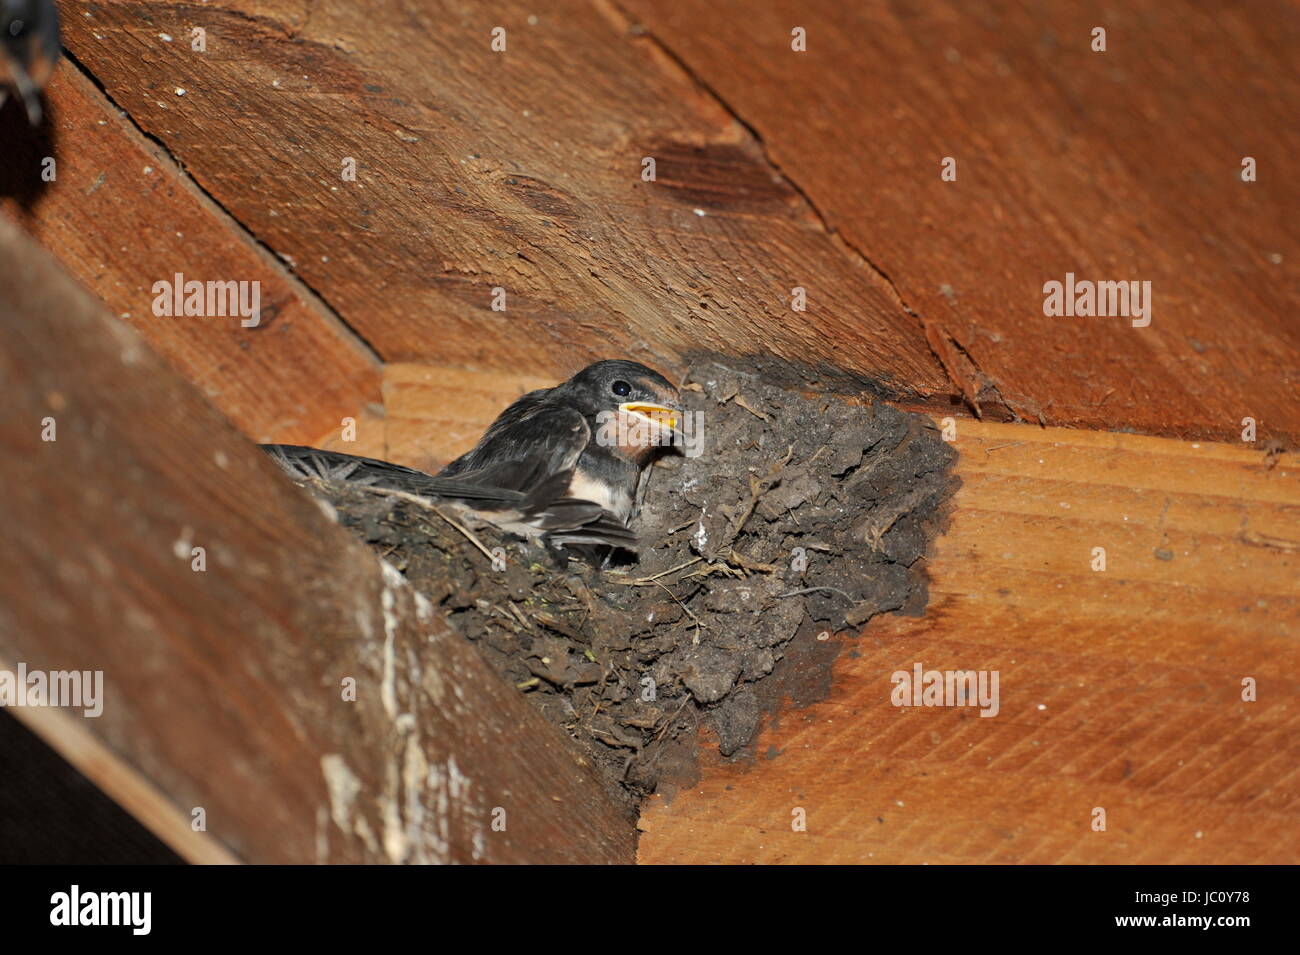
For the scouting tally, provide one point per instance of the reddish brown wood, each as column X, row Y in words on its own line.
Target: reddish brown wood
column 224, row 686
column 519, row 170
column 1115, row 165
column 433, row 414
column 1119, row 689
column 121, row 215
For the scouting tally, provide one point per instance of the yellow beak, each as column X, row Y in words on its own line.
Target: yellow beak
column 664, row 417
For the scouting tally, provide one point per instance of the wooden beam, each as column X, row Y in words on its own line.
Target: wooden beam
column 435, row 413
column 522, row 170
column 1120, row 689
column 121, row 215
column 225, row 685
column 479, row 170
column 1117, row 165
column 122, row 782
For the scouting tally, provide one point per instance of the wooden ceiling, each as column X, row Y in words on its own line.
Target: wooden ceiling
column 522, row 170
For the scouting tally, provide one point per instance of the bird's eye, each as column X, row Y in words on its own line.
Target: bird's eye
column 621, row 388
column 16, row 27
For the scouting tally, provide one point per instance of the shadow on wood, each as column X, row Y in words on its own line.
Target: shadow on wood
column 227, row 614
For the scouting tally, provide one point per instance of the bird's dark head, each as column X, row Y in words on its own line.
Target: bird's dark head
column 29, row 48
column 626, row 398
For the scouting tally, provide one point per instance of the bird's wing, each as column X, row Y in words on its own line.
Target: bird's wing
column 545, row 510
column 531, row 443
column 571, row 520
column 300, row 461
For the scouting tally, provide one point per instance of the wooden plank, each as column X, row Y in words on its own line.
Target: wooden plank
column 121, row 782
column 1116, row 165
column 479, row 170
column 1119, row 689
column 434, row 413
column 224, row 686
column 121, row 215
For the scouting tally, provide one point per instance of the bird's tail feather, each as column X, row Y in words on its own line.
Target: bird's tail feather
column 545, row 510
column 301, row 461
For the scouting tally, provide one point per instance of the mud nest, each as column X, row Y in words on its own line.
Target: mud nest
column 803, row 518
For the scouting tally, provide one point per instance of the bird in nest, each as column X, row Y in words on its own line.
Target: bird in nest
column 564, row 465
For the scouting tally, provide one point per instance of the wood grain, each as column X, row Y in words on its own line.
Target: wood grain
column 479, row 170
column 1119, row 689
column 224, row 684
column 434, row 414
column 520, row 170
column 1116, row 165
column 121, row 216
